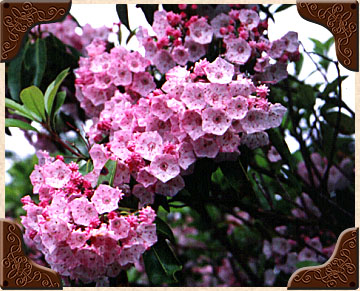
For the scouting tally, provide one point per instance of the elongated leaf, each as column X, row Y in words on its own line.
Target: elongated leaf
column 59, row 101
column 283, row 7
column 161, row 264
column 14, row 76
column 9, row 122
column 163, row 229
column 299, row 64
column 19, row 109
column 122, row 12
column 347, row 124
column 33, row 100
column 40, row 61
column 303, row 264
column 52, row 90
column 333, row 86
column 149, row 10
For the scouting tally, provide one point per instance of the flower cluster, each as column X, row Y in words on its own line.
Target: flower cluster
column 197, row 113
column 101, row 73
column 67, row 32
column 285, row 256
column 79, row 228
column 336, row 180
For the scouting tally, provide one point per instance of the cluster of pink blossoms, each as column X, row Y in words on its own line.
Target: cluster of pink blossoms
column 197, row 113
column 80, row 228
column 66, row 32
column 101, row 73
column 336, row 180
column 182, row 38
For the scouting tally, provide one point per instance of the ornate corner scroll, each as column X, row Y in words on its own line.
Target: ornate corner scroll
column 341, row 271
column 17, row 270
column 341, row 19
column 18, row 17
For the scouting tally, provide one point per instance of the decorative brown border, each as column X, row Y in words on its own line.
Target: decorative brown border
column 341, row 18
column 18, row 17
column 339, row 272
column 17, row 270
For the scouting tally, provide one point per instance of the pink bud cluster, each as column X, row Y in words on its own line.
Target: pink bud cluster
column 79, row 228
column 201, row 112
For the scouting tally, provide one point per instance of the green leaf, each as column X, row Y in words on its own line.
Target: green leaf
column 283, row 7
column 318, row 46
column 9, row 122
column 59, row 101
column 299, row 64
column 163, row 229
column 122, row 12
column 14, row 75
column 108, row 173
column 329, row 43
column 306, row 98
column 333, row 86
column 161, row 264
column 33, row 100
column 303, row 264
column 277, row 140
column 40, row 61
column 347, row 124
column 19, row 109
column 149, row 10
column 52, row 90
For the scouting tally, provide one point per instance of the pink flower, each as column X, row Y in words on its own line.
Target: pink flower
column 106, row 198
column 249, row 18
column 238, row 50
column 83, row 211
column 201, row 32
column 219, row 71
column 136, row 63
column 164, row 167
column 171, row 187
column 205, row 147
column 218, row 22
column 193, row 96
column 237, row 108
column 163, row 61
column 120, row 227
column 180, row 55
column 191, row 123
column 143, row 83
column 215, row 121
column 99, row 156
column 196, row 50
column 149, row 144
column 255, row 140
column 56, row 174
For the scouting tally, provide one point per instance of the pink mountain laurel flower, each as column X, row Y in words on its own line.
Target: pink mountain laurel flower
column 238, row 50
column 215, row 121
column 164, row 167
column 201, row 32
column 106, row 198
column 219, row 71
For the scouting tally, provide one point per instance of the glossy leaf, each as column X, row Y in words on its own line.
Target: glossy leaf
column 51, row 91
column 347, row 124
column 122, row 12
column 9, row 122
column 33, row 100
column 161, row 264
column 19, row 109
column 283, row 7
column 163, row 229
column 149, row 10
column 14, row 76
column 40, row 61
